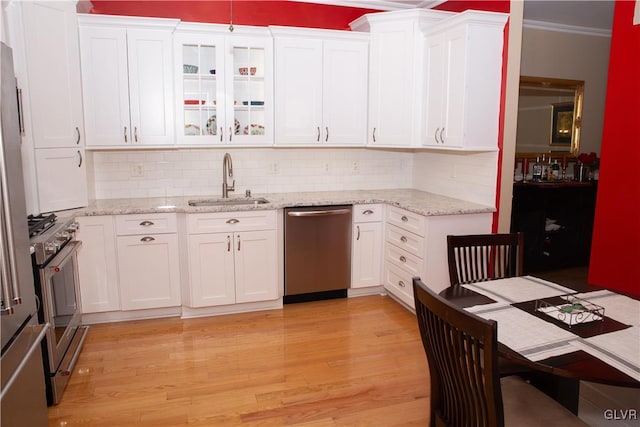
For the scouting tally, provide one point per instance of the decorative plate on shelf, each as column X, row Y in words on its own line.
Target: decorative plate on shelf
column 255, row 130
column 211, row 125
column 236, row 125
column 191, row 130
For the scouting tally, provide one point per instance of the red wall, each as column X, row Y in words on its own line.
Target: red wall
column 615, row 251
column 245, row 12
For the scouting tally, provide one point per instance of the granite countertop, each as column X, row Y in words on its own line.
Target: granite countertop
column 420, row 202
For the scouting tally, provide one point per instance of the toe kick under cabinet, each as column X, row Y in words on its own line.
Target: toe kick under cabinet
column 416, row 245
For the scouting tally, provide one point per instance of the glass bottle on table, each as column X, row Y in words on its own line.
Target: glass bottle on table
column 536, row 170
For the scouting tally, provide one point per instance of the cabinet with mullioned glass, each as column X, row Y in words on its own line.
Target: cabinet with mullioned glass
column 223, row 85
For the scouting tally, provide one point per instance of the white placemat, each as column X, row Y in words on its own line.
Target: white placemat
column 616, row 306
column 518, row 289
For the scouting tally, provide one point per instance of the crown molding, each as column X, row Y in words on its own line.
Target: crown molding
column 561, row 28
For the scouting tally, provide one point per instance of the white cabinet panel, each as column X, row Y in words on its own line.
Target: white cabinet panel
column 255, row 266
column 321, row 87
column 127, row 78
column 62, row 180
column 97, row 264
column 366, row 264
column 149, row 273
column 211, row 270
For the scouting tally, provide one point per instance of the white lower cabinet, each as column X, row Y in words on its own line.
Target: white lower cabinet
column 416, row 245
column 366, row 246
column 98, row 264
column 232, row 258
column 148, row 261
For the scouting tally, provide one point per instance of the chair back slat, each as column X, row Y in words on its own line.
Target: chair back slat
column 481, row 257
column 461, row 351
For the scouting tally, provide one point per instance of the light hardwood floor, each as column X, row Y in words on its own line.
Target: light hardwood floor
column 347, row 362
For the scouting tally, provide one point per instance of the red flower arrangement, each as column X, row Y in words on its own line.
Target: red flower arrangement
column 590, row 160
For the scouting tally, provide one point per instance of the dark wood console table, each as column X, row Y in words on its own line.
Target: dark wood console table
column 557, row 221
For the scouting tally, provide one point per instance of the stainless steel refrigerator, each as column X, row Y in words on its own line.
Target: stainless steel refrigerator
column 23, row 399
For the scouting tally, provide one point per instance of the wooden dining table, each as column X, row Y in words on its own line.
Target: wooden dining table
column 557, row 354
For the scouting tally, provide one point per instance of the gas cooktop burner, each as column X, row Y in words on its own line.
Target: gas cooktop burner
column 40, row 223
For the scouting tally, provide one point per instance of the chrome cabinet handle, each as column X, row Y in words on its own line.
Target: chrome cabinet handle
column 238, row 242
column 358, row 236
column 20, row 111
column 147, row 239
column 404, row 218
column 230, row 134
column 441, row 138
column 228, row 243
column 78, row 132
column 435, row 135
column 233, row 221
column 367, row 212
column 327, row 136
column 221, row 134
column 135, row 133
column 146, row 223
column 401, row 284
column 125, row 134
column 374, row 134
column 403, row 239
column 402, row 258
column 318, row 138
column 80, row 159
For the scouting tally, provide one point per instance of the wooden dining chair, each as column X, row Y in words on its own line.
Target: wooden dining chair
column 466, row 389
column 480, row 257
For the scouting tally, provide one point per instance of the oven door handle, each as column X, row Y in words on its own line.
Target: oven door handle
column 58, row 262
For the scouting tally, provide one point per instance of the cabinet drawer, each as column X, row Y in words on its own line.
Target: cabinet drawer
column 403, row 259
column 406, row 220
column 410, row 242
column 367, row 213
column 399, row 282
column 130, row 225
column 231, row 221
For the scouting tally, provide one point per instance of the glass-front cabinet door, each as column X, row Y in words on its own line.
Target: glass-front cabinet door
column 224, row 90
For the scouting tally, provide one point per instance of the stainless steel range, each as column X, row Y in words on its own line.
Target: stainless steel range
column 55, row 268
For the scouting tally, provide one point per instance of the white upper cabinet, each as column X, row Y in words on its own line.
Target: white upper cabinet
column 396, row 75
column 224, row 85
column 127, row 77
column 44, row 39
column 321, row 87
column 463, row 78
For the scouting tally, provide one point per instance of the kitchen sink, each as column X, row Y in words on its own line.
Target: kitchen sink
column 229, row 202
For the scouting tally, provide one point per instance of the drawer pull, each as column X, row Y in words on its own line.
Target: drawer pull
column 403, row 239
column 367, row 212
column 401, row 284
column 358, row 236
column 238, row 242
column 147, row 239
column 402, row 258
column 404, row 218
column 233, row 221
column 146, row 223
column 228, row 243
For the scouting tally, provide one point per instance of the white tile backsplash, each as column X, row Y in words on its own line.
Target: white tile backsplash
column 198, row 172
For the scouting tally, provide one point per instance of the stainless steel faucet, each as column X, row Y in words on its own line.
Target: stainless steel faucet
column 227, row 171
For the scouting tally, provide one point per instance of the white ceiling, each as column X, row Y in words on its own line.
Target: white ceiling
column 596, row 14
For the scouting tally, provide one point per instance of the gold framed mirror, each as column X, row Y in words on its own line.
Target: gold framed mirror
column 549, row 116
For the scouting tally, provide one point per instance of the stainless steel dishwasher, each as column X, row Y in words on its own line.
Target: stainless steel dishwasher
column 317, row 253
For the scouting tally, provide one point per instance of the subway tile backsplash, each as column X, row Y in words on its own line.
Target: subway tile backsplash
column 198, row 172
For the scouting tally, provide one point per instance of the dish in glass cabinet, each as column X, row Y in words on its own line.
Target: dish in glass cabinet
column 236, row 125
column 255, row 130
column 211, row 125
column 191, row 130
